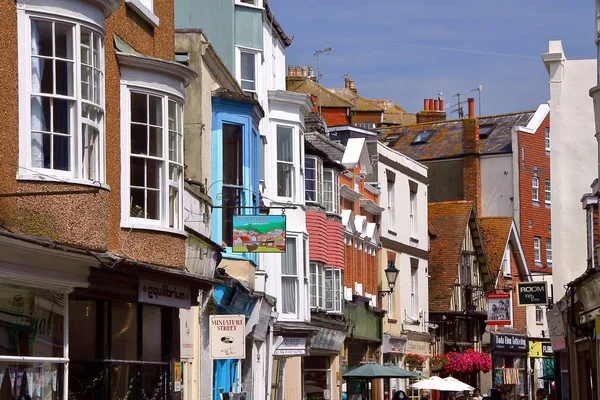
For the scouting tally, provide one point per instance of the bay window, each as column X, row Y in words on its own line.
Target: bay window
column 313, row 179
column 155, row 160
column 326, row 287
column 233, row 193
column 285, row 161
column 331, row 191
column 289, row 278
column 62, row 105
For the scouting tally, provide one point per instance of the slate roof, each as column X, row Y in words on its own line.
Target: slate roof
column 495, row 232
column 449, row 219
column 446, row 136
column 308, row 86
column 334, row 151
column 358, row 102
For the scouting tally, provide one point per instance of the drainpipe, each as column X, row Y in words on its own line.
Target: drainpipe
column 270, row 351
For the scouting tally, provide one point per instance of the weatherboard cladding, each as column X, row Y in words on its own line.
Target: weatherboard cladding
column 446, row 139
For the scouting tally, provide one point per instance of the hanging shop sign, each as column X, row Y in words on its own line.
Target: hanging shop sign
column 291, row 346
column 532, row 293
column 499, row 309
column 164, row 294
column 506, row 342
column 328, row 340
column 258, row 234
column 556, row 328
column 228, row 336
column 540, row 349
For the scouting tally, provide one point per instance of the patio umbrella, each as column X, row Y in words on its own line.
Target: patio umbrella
column 433, row 383
column 370, row 370
column 403, row 373
column 459, row 386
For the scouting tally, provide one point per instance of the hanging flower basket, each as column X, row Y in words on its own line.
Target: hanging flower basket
column 438, row 361
column 467, row 362
column 414, row 360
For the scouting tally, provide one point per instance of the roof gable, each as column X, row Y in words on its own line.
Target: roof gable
column 357, row 153
column 348, row 221
column 308, row 86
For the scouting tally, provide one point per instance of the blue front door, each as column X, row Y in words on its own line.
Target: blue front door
column 225, row 377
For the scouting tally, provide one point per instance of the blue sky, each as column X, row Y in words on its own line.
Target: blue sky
column 408, row 50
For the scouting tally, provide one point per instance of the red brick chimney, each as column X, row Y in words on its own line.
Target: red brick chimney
column 433, row 111
column 471, row 158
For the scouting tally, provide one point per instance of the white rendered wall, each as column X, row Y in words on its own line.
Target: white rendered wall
column 574, row 153
column 497, row 186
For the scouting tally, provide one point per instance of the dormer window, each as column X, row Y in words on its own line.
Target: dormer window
column 422, row 137
column 485, row 130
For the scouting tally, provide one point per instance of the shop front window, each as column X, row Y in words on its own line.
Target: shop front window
column 31, row 328
column 119, row 350
column 317, row 377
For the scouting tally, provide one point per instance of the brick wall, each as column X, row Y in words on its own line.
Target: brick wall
column 366, row 117
column 472, row 163
column 335, row 116
column 535, row 216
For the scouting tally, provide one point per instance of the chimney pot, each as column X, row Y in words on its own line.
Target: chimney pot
column 304, row 72
column 298, row 71
column 311, row 71
column 431, row 105
column 290, row 70
column 351, row 84
column 436, row 105
column 471, row 102
column 441, row 104
column 425, row 105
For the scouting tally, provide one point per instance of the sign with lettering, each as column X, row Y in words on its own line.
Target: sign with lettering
column 499, row 309
column 258, row 234
column 540, row 349
column 291, row 346
column 532, row 293
column 415, row 346
column 228, row 336
column 328, row 339
column 164, row 294
column 502, row 341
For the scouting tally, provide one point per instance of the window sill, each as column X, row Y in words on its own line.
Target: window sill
column 391, row 232
column 339, row 313
column 536, row 203
column 58, row 179
column 414, row 239
column 548, row 205
column 143, row 12
column 539, row 323
column 151, row 227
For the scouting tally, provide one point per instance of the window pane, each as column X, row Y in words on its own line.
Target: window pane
column 61, row 148
column 232, row 154
column 63, row 41
column 153, row 204
column 329, row 288
column 285, row 144
column 151, row 333
column 289, row 266
column 124, row 331
column 138, row 203
column 284, row 180
column 248, row 71
column 61, row 115
column 31, row 322
column 90, row 153
column 153, row 174
column 41, row 38
column 139, row 139
column 82, row 330
column 173, row 207
column 155, row 110
column 288, row 291
column 64, row 78
column 124, row 381
column 139, row 107
column 155, row 141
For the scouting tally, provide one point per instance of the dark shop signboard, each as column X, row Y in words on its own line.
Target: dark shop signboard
column 508, row 342
column 532, row 293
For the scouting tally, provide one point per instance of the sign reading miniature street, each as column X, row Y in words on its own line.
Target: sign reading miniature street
column 164, row 294
column 258, row 234
column 532, row 293
column 228, row 336
column 499, row 309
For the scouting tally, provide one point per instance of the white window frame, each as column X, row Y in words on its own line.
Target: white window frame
column 547, row 191
column 414, row 292
column 257, row 55
column 590, row 235
column 331, row 175
column 391, row 206
column 318, row 181
column 75, row 174
column 294, row 278
column 249, row 3
column 162, row 224
column 317, row 285
column 413, row 214
column 547, row 139
column 535, row 189
column 549, row 251
column 145, row 9
column 537, row 249
column 506, row 263
column 291, row 164
column 539, row 315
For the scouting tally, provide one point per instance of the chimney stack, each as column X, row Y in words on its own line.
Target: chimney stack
column 433, row 111
column 471, row 102
column 351, row 85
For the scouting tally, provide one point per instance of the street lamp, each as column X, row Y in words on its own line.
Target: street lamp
column 391, row 274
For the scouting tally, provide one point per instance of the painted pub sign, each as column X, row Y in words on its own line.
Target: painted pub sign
column 258, row 234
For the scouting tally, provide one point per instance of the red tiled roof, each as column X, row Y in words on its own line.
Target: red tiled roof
column 450, row 220
column 495, row 231
column 308, row 86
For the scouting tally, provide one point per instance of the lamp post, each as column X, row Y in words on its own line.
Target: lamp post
column 391, row 274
